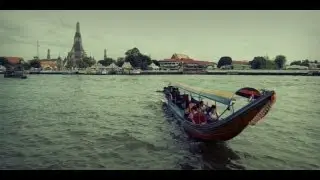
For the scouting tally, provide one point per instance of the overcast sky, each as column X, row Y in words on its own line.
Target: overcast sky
column 203, row 35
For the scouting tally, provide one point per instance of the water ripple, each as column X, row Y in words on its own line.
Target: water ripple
column 118, row 122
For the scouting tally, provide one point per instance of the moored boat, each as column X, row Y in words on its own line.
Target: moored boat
column 225, row 126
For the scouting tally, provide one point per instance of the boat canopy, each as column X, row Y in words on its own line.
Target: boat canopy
column 223, row 97
column 247, row 92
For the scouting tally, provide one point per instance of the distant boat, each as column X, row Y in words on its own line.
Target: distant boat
column 221, row 128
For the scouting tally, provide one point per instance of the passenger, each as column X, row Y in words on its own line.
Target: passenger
column 202, row 107
column 186, row 113
column 251, row 98
column 192, row 113
column 191, row 105
column 212, row 113
column 198, row 116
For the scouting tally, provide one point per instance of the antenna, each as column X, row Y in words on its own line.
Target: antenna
column 38, row 49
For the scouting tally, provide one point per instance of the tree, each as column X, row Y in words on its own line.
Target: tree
column 156, row 62
column 316, row 61
column 107, row 61
column 137, row 59
column 225, row 60
column 3, row 61
column 145, row 61
column 26, row 65
column 88, row 61
column 280, row 61
column 258, row 62
column 305, row 63
column 270, row 64
column 133, row 52
column 295, row 63
column 35, row 63
column 120, row 61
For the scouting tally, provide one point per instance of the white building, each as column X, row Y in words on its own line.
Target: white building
column 152, row 66
column 2, row 68
column 126, row 67
column 297, row 67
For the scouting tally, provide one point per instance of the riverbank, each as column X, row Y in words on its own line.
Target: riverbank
column 211, row 72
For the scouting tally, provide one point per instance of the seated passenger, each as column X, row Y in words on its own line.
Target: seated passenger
column 212, row 113
column 191, row 105
column 202, row 107
column 199, row 118
column 192, row 113
column 185, row 101
column 251, row 98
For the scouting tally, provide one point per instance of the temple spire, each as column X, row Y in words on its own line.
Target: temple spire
column 105, row 54
column 48, row 54
column 78, row 27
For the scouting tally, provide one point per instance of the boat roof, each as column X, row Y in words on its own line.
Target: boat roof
column 223, row 97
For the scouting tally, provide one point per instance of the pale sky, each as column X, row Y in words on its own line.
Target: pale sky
column 203, row 35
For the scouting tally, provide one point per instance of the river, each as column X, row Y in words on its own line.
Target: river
column 118, row 122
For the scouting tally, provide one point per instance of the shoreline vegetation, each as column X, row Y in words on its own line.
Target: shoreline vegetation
column 140, row 64
column 211, row 72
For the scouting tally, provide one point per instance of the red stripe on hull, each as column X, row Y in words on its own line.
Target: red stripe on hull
column 229, row 130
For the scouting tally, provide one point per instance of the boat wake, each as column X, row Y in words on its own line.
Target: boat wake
column 209, row 155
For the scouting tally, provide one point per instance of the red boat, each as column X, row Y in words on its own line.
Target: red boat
column 225, row 126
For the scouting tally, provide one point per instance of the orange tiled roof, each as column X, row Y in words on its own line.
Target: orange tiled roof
column 48, row 62
column 189, row 61
column 13, row 60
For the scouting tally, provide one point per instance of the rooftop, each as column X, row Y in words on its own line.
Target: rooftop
column 13, row 60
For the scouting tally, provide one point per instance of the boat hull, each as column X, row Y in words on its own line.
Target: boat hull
column 224, row 129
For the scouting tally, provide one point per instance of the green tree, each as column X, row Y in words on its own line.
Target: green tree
column 137, row 59
column 35, row 63
column 305, row 63
column 107, row 61
column 3, row 61
column 225, row 60
column 156, row 62
column 89, row 61
column 120, row 61
column 133, row 52
column 270, row 64
column 258, row 62
column 280, row 61
column 295, row 63
column 26, row 65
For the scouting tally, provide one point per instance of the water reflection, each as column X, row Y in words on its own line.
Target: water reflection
column 218, row 156
column 211, row 155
